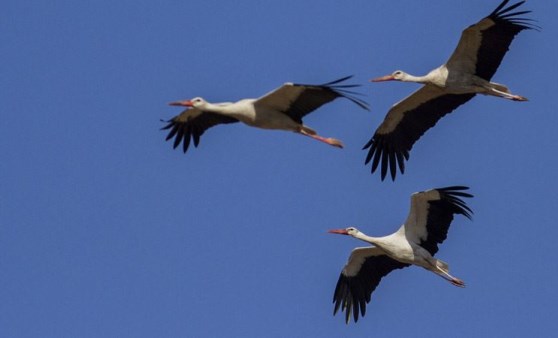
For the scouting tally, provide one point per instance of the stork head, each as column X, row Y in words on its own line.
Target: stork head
column 398, row 75
column 196, row 102
column 350, row 231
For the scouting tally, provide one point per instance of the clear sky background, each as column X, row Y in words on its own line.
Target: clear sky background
column 106, row 231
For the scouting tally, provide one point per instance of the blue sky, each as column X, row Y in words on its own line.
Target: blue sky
column 105, row 231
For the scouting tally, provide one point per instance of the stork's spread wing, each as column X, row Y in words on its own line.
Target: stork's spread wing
column 298, row 100
column 431, row 215
column 191, row 124
column 405, row 123
column 359, row 278
column 483, row 45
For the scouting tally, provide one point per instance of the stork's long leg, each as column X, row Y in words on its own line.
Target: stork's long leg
column 443, row 272
column 496, row 92
column 331, row 141
column 445, row 275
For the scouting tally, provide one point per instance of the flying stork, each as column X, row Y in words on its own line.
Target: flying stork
column 282, row 108
column 467, row 72
column 415, row 243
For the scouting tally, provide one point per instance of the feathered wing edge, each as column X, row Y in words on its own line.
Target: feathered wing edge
column 392, row 149
column 440, row 215
column 352, row 293
column 192, row 128
column 501, row 13
column 341, row 90
column 454, row 195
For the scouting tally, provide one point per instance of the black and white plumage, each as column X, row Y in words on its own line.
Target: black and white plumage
column 467, row 72
column 415, row 243
column 282, row 109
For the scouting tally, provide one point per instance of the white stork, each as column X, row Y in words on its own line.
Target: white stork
column 468, row 72
column 415, row 243
column 283, row 109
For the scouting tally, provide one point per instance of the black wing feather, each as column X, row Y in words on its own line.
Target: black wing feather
column 314, row 96
column 353, row 293
column 396, row 145
column 440, row 215
column 497, row 39
column 193, row 128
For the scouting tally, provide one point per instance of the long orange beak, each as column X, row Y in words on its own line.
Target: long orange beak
column 338, row 231
column 383, row 78
column 186, row 103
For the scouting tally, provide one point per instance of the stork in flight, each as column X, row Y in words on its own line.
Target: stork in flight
column 467, row 72
column 283, row 109
column 415, row 243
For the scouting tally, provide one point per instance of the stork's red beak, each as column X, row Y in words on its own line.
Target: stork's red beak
column 383, row 78
column 338, row 231
column 186, row 103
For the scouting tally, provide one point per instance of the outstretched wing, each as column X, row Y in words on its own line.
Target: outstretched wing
column 359, row 278
column 405, row 123
column 191, row 124
column 483, row 45
column 432, row 213
column 298, row 100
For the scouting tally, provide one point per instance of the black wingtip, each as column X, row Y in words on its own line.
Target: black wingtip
column 501, row 13
column 179, row 132
column 454, row 195
column 329, row 84
column 169, row 124
column 388, row 158
column 343, row 92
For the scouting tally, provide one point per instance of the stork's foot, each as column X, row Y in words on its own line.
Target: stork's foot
column 505, row 93
column 457, row 282
column 519, row 98
column 334, row 142
column 442, row 270
column 329, row 140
